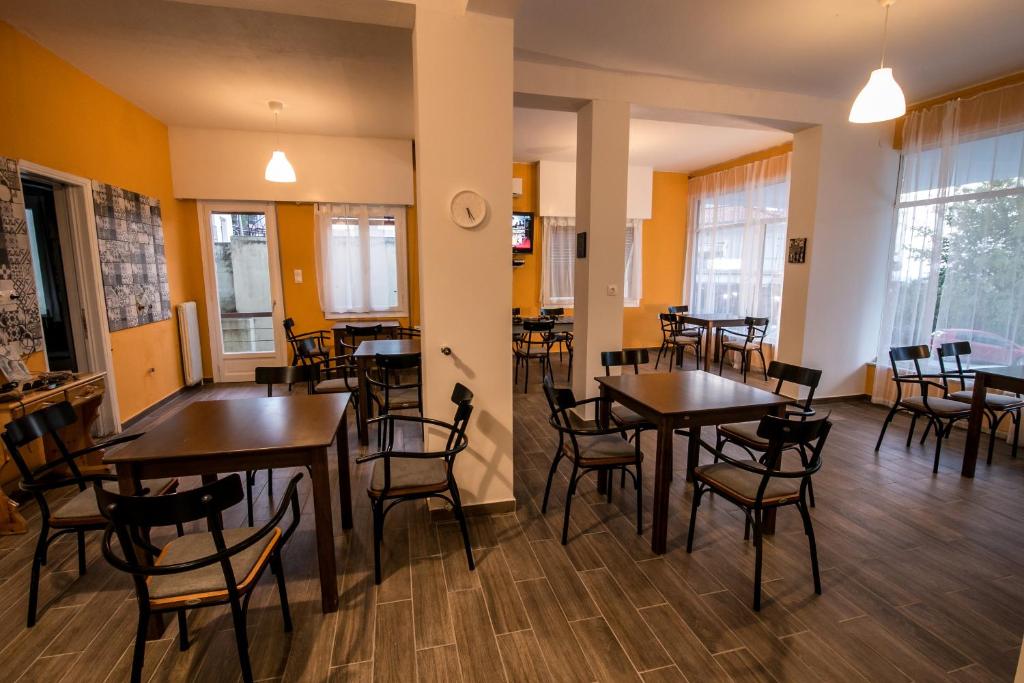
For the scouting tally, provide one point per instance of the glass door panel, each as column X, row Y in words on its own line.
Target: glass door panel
column 242, row 262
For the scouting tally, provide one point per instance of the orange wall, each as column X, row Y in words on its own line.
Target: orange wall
column 54, row 115
column 526, row 278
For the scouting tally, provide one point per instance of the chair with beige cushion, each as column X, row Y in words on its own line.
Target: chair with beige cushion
column 78, row 513
column 200, row 569
column 758, row 487
column 745, row 342
column 402, row 474
column 621, row 415
column 941, row 413
column 590, row 447
column 676, row 337
column 997, row 406
column 396, row 384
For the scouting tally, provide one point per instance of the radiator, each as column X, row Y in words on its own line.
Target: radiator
column 191, row 354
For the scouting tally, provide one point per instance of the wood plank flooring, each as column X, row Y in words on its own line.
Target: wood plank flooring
column 923, row 579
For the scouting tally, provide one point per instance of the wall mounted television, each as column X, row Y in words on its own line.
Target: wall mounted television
column 522, row 232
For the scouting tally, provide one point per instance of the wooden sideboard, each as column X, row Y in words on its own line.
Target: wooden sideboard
column 85, row 393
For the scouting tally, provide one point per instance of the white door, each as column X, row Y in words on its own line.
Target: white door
column 242, row 270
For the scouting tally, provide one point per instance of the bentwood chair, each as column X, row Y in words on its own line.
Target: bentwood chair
column 941, row 413
column 679, row 310
column 320, row 341
column 676, row 337
column 562, row 339
column 356, row 334
column 621, row 415
column 402, row 475
column 78, row 514
column 396, row 384
column 749, row 340
column 533, row 344
column 997, row 406
column 590, row 447
column 757, row 487
column 745, row 434
column 200, row 569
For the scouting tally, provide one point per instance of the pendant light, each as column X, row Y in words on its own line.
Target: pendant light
column 279, row 169
column 882, row 98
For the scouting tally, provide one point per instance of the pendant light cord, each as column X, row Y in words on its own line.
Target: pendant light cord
column 885, row 36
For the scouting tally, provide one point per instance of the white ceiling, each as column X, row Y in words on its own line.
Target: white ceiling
column 216, row 67
column 817, row 47
column 663, row 145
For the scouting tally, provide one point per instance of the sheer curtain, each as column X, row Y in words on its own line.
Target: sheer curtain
column 737, row 240
column 361, row 259
column 558, row 265
column 633, row 286
column 957, row 260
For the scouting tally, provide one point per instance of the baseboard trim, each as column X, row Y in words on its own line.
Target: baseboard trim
column 138, row 417
column 500, row 507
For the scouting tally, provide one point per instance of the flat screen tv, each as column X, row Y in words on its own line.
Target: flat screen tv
column 522, row 232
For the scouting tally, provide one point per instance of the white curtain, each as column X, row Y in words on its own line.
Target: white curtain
column 558, row 265
column 737, row 242
column 361, row 259
column 632, row 289
column 957, row 260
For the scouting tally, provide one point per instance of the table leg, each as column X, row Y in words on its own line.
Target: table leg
column 710, row 349
column 974, row 427
column 603, row 417
column 337, row 342
column 362, row 365
column 126, row 484
column 344, row 479
column 324, row 531
column 692, row 453
column 662, row 484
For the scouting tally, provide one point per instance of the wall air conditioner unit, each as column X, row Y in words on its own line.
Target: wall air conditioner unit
column 517, row 187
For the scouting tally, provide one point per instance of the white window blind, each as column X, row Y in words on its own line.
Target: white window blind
column 559, row 262
column 632, row 289
column 361, row 260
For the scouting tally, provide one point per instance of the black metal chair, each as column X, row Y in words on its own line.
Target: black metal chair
column 745, row 434
column 534, row 344
column 397, row 384
column 356, row 334
column 679, row 310
column 676, row 337
column 941, row 413
column 562, row 339
column 756, row 487
column 79, row 513
column 621, row 415
column 749, row 340
column 412, row 475
column 997, row 406
column 590, row 447
column 201, row 569
column 407, row 333
column 320, row 341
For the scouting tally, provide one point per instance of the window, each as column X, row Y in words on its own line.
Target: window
column 361, row 260
column 958, row 240
column 559, row 254
column 738, row 237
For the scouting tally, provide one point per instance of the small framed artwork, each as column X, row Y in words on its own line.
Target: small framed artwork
column 581, row 245
column 797, row 249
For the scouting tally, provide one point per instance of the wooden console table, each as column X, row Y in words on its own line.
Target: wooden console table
column 85, row 393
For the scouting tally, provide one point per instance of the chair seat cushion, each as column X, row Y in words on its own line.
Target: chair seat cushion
column 625, row 416
column 940, row 406
column 332, row 386
column 997, row 401
column 207, row 583
column 410, row 475
column 686, row 339
column 607, row 449
column 743, row 485
column 744, row 432
column 400, row 397
column 739, row 345
column 82, row 508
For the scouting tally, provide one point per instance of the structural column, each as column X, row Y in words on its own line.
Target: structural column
column 602, row 161
column 462, row 66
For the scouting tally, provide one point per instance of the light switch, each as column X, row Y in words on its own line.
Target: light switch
column 298, row 276
column 613, row 290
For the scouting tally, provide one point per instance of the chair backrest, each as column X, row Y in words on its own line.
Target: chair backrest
column 956, row 350
column 354, row 331
column 289, row 331
column 516, row 312
column 24, row 430
column 634, row 357
column 678, row 309
column 552, row 312
column 462, row 397
column 781, row 434
column 398, row 361
column 285, row 374
column 407, row 333
column 306, row 350
column 914, row 354
column 560, row 399
column 670, row 324
column 795, row 374
column 757, row 328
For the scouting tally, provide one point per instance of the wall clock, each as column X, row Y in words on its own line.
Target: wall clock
column 469, row 209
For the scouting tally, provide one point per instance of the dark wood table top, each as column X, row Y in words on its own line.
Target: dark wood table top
column 248, row 425
column 1013, row 372
column 386, row 347
column 690, row 392
column 366, row 323
column 714, row 318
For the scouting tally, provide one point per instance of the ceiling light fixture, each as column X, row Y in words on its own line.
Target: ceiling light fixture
column 279, row 169
column 882, row 98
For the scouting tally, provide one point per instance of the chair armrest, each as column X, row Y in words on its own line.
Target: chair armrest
column 321, row 334
column 117, row 440
column 61, row 483
column 412, row 418
column 920, row 382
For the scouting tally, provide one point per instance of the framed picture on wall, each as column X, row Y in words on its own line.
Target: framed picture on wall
column 797, row 249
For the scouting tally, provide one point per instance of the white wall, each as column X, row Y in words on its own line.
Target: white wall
column 229, row 164
column 557, row 190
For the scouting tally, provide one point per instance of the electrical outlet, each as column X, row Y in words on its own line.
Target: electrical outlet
column 613, row 290
column 298, row 276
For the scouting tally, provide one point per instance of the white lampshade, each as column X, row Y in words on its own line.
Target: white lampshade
column 880, row 100
column 279, row 169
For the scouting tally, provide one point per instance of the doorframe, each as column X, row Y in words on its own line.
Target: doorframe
column 269, row 209
column 96, row 348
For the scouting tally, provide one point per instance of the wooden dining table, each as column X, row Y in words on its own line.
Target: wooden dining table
column 365, row 355
column 712, row 324
column 690, row 399
column 1002, row 378
column 208, row 438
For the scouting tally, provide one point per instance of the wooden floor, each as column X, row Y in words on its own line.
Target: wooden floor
column 922, row 578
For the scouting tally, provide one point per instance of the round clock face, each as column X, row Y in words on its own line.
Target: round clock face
column 469, row 209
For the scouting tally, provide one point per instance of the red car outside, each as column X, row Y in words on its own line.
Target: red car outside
column 986, row 348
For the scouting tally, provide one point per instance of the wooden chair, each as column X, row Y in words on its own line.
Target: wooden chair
column 562, row 339
column 590, row 447
column 997, row 406
column 941, row 413
column 79, row 513
column 534, row 344
column 756, row 487
column 201, row 569
column 320, row 341
column 676, row 337
column 621, row 415
column 750, row 340
column 402, row 475
column 396, row 385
